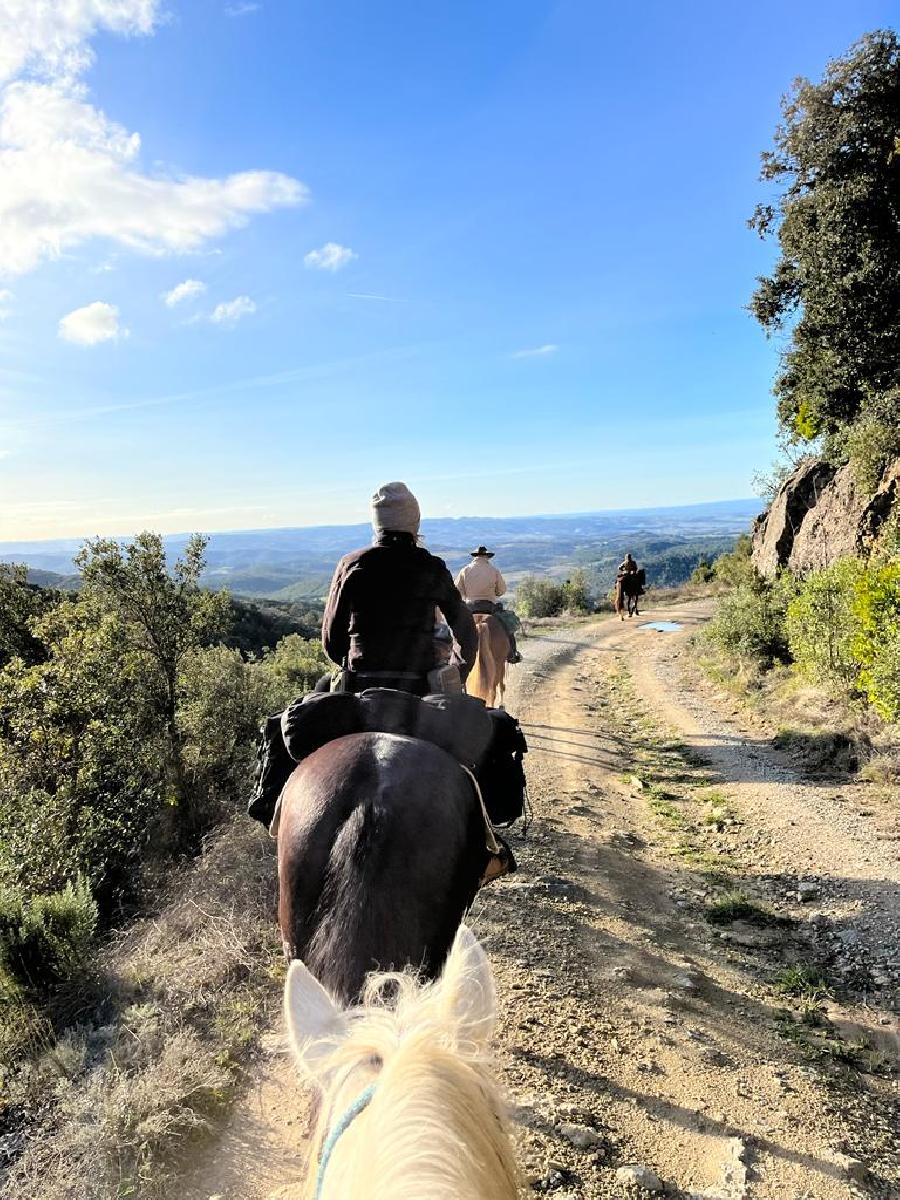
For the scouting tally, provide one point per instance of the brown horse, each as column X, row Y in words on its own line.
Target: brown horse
column 629, row 589
column 488, row 676
column 381, row 847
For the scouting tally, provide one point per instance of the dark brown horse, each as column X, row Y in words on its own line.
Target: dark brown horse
column 629, row 589
column 381, row 847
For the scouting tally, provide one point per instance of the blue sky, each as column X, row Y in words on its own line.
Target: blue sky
column 496, row 250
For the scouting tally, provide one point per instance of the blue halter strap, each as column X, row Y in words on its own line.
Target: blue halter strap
column 347, row 1118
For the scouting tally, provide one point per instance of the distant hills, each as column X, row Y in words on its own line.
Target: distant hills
column 293, row 564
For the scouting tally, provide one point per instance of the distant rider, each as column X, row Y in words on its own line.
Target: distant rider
column 380, row 616
column 627, row 566
column 480, row 585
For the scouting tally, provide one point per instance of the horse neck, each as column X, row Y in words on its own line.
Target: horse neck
column 428, row 1102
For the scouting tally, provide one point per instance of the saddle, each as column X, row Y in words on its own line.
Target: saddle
column 487, row 742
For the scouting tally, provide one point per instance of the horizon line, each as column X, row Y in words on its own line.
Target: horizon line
column 546, row 516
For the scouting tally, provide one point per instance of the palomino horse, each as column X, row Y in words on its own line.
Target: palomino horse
column 488, row 676
column 381, row 847
column 408, row 1107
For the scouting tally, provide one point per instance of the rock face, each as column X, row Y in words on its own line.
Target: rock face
column 775, row 530
column 820, row 515
column 830, row 529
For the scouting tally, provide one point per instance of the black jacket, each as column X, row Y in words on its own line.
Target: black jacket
column 381, row 609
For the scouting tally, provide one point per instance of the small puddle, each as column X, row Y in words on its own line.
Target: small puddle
column 662, row 626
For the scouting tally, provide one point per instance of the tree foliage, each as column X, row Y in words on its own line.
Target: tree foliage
column 836, row 284
column 20, row 605
column 821, row 625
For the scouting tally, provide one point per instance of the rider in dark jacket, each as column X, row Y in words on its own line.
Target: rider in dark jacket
column 380, row 615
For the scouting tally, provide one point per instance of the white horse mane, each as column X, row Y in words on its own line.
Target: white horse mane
column 435, row 1126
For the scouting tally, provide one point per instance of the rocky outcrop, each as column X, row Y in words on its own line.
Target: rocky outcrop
column 775, row 530
column 820, row 515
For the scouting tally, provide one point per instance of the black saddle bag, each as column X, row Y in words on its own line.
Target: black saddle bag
column 274, row 767
column 501, row 773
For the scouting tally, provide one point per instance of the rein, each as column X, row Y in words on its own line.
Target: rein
column 348, row 1116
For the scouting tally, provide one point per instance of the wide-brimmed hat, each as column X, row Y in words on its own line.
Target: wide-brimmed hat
column 482, row 552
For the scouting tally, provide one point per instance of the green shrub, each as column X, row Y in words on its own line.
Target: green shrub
column 44, row 941
column 576, row 593
column 540, row 597
column 221, row 702
column 551, row 598
column 735, row 567
column 292, row 668
column 703, row 572
column 873, row 440
column 821, row 624
column 750, row 620
column 876, row 645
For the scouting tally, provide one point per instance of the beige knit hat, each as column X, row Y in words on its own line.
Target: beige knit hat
column 395, row 509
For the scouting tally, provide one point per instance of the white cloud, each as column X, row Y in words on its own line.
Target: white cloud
column 189, row 290
column 229, row 312
column 51, row 37
column 6, row 298
column 97, row 322
column 537, row 351
column 70, row 174
column 242, row 9
column 330, row 257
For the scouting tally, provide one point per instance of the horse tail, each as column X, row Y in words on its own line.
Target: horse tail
column 480, row 677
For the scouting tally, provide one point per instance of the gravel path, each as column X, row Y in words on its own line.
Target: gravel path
column 639, row 1044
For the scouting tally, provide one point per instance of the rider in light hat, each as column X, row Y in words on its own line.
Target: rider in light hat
column 481, row 585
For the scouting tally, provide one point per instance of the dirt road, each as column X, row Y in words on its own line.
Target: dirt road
column 640, row 1043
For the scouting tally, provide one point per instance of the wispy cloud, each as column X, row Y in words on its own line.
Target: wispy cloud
column 243, row 9
column 330, row 257
column 54, row 142
column 95, row 323
column 229, row 312
column 375, row 296
column 536, row 351
column 189, row 290
column 292, row 375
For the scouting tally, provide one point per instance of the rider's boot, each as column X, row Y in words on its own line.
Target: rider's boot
column 514, row 656
column 501, row 863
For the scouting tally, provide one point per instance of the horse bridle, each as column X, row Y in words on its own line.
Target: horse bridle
column 349, row 1115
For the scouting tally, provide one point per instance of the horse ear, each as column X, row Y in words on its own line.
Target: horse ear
column 314, row 1022
column 467, row 987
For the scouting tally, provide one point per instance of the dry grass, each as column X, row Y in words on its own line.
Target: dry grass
column 661, row 597
column 112, row 1105
column 825, row 734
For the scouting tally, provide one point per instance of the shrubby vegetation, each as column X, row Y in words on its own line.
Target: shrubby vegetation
column 127, row 731
column 839, row 627
column 553, row 598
